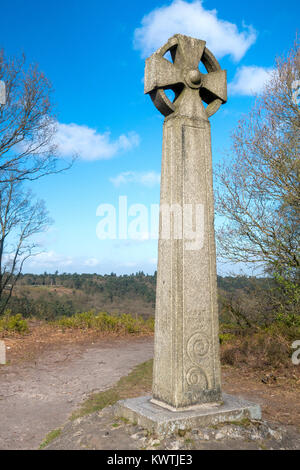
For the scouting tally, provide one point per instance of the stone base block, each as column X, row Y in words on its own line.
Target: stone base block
column 163, row 421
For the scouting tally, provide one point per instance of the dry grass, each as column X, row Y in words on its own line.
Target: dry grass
column 104, row 322
column 257, row 366
column 82, row 300
column 138, row 382
column 261, row 349
column 42, row 336
column 279, row 396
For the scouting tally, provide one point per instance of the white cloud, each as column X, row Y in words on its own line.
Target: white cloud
column 88, row 144
column 192, row 19
column 150, row 178
column 249, row 80
column 49, row 260
column 91, row 262
column 130, row 264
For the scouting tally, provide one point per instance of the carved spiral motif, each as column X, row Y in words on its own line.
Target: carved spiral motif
column 197, row 347
column 196, row 376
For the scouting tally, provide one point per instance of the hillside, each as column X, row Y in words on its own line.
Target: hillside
column 242, row 300
column 48, row 296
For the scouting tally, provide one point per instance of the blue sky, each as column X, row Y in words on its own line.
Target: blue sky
column 94, row 52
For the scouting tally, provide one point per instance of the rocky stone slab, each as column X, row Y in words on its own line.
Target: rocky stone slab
column 162, row 421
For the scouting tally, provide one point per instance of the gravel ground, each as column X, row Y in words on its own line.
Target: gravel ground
column 39, row 396
column 102, row 431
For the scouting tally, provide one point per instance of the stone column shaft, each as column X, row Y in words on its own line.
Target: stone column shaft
column 186, row 356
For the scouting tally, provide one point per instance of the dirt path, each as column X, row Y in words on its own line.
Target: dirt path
column 37, row 397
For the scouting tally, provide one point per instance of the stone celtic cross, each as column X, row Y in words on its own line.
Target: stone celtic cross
column 186, row 392
column 186, row 355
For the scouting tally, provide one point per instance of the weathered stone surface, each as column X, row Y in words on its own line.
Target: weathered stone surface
column 162, row 421
column 102, row 430
column 2, row 353
column 186, row 358
column 186, row 375
column 185, row 79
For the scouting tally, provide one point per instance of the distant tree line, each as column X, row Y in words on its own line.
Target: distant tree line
column 111, row 285
column 244, row 301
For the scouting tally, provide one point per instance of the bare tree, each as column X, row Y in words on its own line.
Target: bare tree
column 27, row 122
column 257, row 189
column 21, row 219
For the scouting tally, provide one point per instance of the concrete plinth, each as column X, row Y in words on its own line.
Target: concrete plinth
column 163, row 421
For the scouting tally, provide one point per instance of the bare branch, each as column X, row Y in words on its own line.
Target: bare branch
column 27, row 123
column 258, row 190
column 21, row 219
